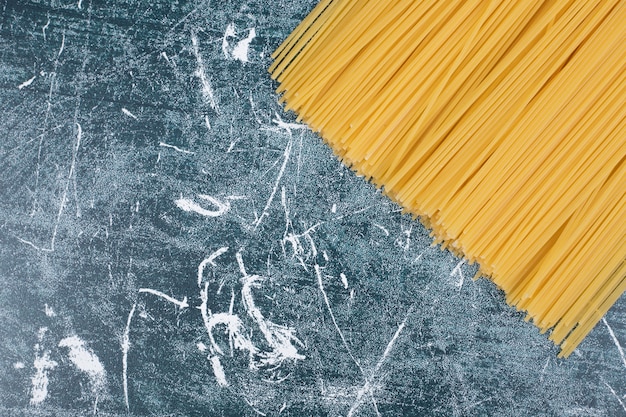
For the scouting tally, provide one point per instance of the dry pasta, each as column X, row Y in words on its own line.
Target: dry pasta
column 501, row 124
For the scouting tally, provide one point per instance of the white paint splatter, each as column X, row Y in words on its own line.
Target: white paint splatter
column 26, row 83
column 240, row 51
column 218, row 370
column 40, row 381
column 128, row 113
column 86, row 361
column 189, row 205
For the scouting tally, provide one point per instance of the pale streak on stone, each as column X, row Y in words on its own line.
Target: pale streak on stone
column 368, row 383
column 26, row 83
column 125, row 349
column 616, row 396
column 320, row 284
column 209, row 260
column 265, row 212
column 176, row 148
column 189, row 205
column 180, row 304
column 128, row 113
column 615, row 340
column 207, row 90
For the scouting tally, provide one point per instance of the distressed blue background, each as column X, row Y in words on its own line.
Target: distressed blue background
column 139, row 137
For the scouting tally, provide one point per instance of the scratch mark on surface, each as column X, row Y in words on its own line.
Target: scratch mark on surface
column 207, row 90
column 26, row 83
column 128, row 113
column 62, row 45
column 63, row 198
column 276, row 184
column 176, row 148
column 344, row 280
column 278, row 337
column 366, row 389
column 209, row 260
column 218, row 370
column 189, row 205
column 457, row 270
column 288, row 126
column 233, row 324
column 180, row 304
column 617, row 344
column 43, row 29
column 385, row 231
column 615, row 395
column 318, row 274
column 207, row 122
column 125, row 349
column 254, row 408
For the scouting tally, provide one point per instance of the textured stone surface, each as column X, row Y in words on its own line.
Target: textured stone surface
column 139, row 138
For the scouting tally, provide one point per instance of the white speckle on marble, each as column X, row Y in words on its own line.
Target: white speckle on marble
column 18, row 365
column 49, row 311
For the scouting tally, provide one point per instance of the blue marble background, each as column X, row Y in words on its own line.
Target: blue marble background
column 173, row 244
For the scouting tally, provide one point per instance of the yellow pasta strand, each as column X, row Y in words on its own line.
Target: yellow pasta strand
column 501, row 124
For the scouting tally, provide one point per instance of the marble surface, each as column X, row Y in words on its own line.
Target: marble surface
column 173, row 244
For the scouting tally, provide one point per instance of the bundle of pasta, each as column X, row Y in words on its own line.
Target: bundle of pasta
column 501, row 124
